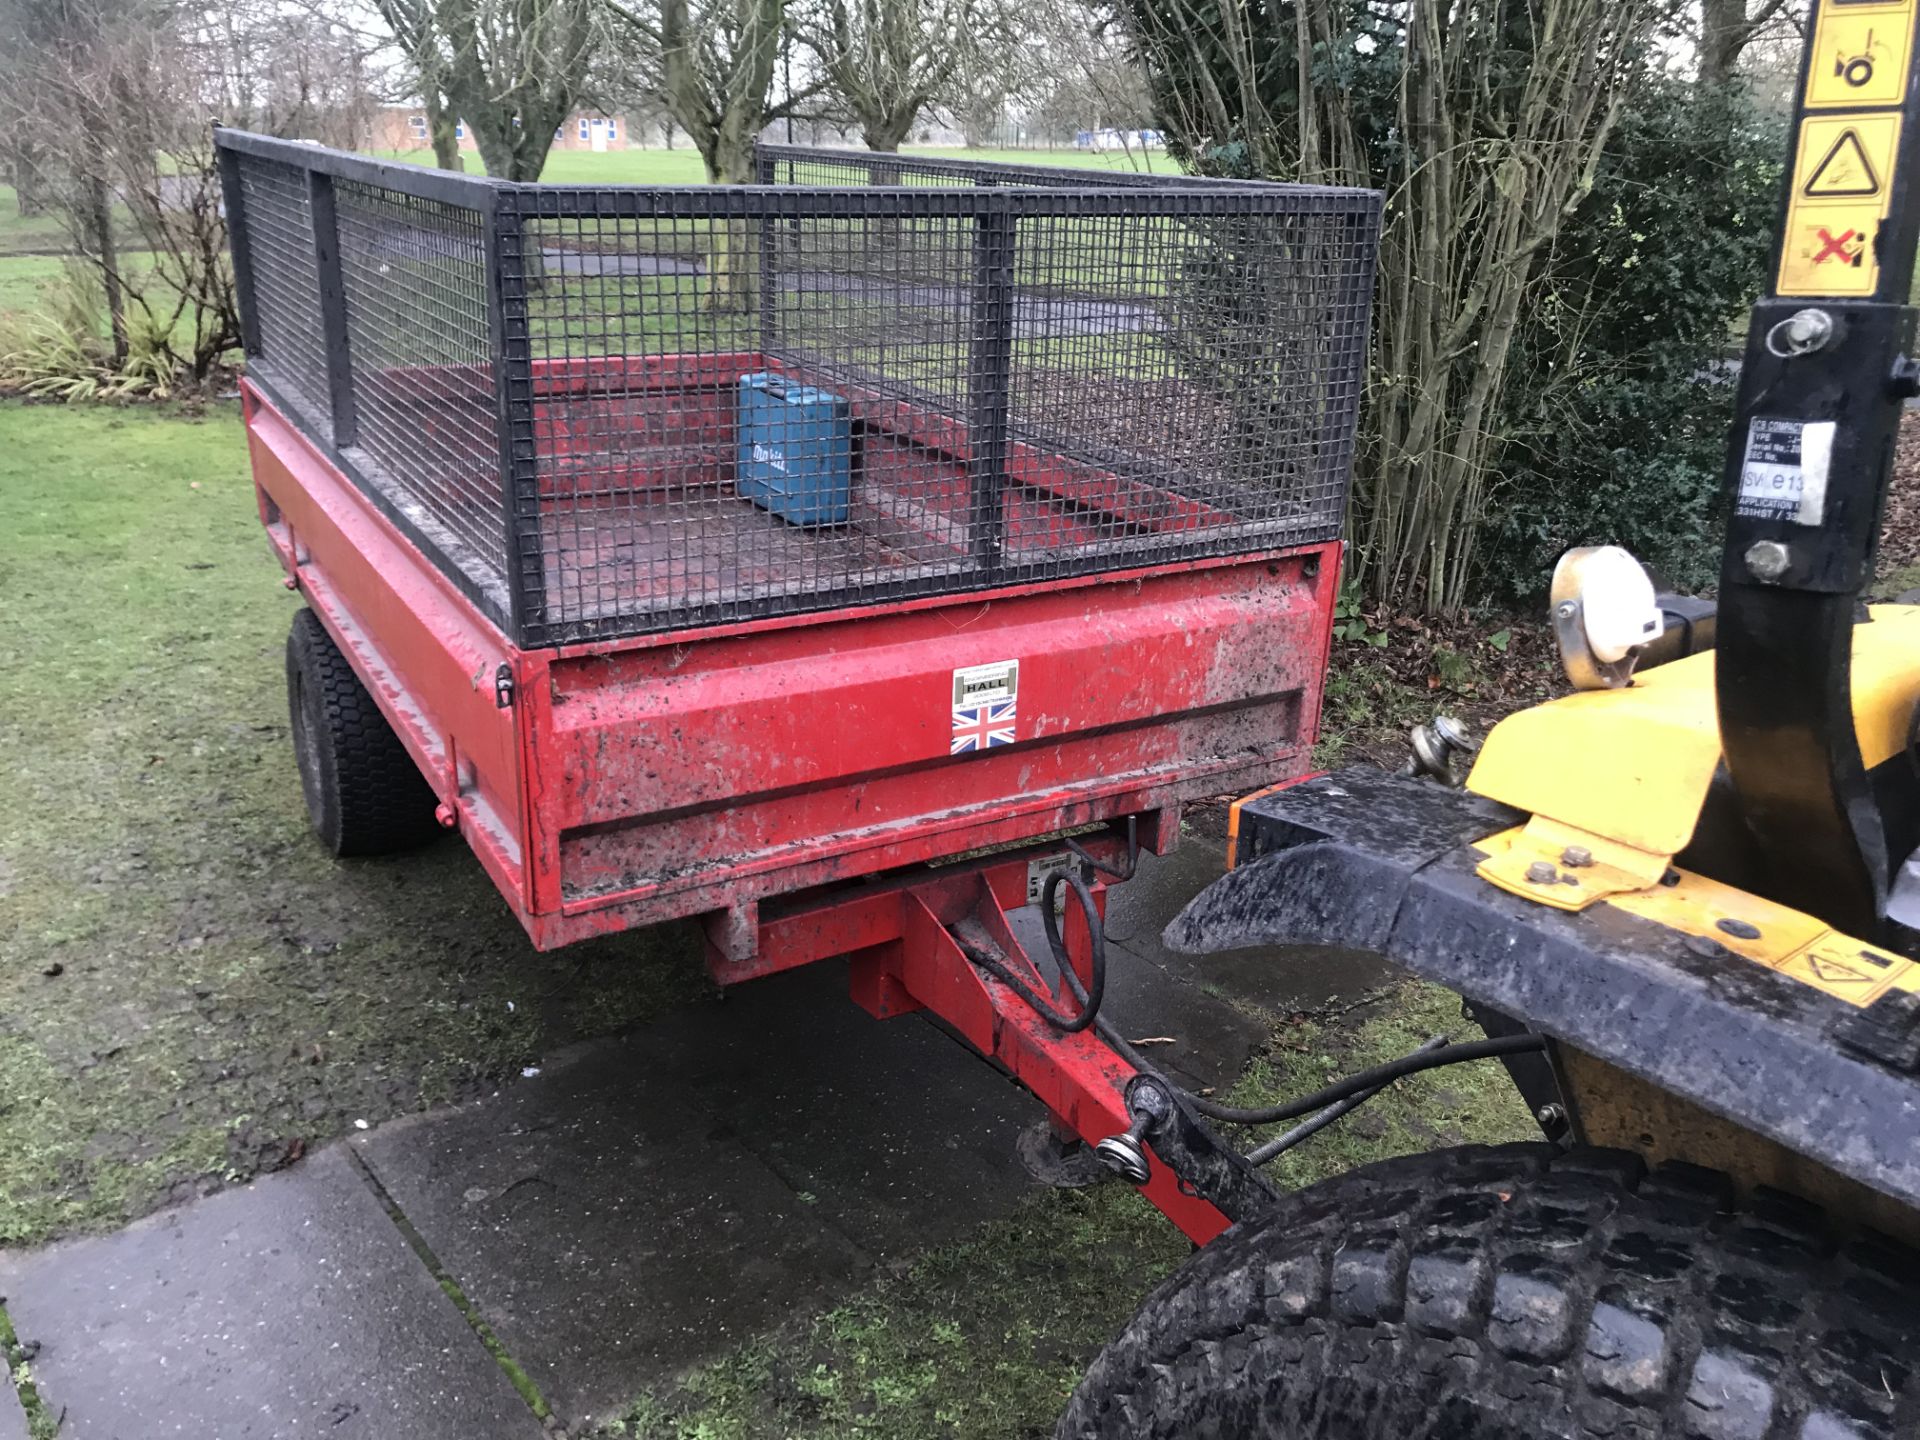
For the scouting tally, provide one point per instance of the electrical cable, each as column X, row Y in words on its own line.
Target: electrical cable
column 1331, row 1101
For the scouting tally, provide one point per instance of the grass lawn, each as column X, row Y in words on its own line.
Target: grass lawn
column 22, row 234
column 190, row 990
column 683, row 167
column 21, row 279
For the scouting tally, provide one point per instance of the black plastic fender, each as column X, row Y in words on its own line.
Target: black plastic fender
column 1367, row 861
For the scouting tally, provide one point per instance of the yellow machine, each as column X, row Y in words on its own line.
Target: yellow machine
column 1684, row 904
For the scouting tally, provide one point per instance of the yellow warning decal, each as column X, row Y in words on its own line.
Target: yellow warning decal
column 1783, row 940
column 1848, row 969
column 1842, row 191
column 1845, row 172
column 1862, row 52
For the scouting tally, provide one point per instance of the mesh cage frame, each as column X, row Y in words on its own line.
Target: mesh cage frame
column 976, row 375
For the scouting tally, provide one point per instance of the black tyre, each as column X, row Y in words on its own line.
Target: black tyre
column 364, row 794
column 1517, row 1292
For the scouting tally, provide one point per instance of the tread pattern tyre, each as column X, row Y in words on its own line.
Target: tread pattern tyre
column 1496, row 1293
column 365, row 796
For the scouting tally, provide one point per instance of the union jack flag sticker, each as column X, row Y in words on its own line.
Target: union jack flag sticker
column 981, row 727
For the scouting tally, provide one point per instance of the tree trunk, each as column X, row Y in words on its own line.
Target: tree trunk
column 443, row 128
column 29, row 195
column 100, row 223
column 1723, row 35
column 885, row 132
column 512, row 152
column 731, row 263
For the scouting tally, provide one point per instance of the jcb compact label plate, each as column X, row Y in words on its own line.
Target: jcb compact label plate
column 1862, row 52
column 1842, row 191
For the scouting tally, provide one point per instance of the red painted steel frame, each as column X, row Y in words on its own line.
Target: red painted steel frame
column 906, row 957
column 704, row 773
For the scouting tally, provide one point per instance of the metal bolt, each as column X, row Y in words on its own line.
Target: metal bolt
column 1768, row 559
column 1551, row 1117
column 1567, row 609
column 289, row 582
column 1739, row 929
column 1576, row 857
column 1125, row 1156
column 1456, row 734
column 1540, row 872
column 443, row 812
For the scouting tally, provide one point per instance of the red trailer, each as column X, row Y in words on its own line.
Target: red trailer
column 809, row 558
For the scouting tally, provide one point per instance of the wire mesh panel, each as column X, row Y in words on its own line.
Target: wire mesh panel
column 808, row 165
column 618, row 411
column 286, row 288
column 418, row 337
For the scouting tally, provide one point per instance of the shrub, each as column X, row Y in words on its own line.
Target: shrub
column 60, row 349
column 1617, row 419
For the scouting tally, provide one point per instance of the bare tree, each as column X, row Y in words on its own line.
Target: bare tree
column 1484, row 121
column 712, row 65
column 51, row 105
column 1727, row 27
column 886, row 61
column 114, row 100
column 1080, row 73
column 512, row 70
column 280, row 70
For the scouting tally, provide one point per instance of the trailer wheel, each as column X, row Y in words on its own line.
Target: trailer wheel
column 365, row 796
column 1515, row 1292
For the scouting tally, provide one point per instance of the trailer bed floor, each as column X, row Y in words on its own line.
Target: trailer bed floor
column 712, row 547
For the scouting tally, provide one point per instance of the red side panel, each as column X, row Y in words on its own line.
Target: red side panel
column 684, row 778
column 428, row 657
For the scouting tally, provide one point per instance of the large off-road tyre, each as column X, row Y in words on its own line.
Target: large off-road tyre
column 364, row 794
column 1516, row 1292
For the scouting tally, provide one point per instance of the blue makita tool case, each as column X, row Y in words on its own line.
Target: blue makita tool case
column 796, row 450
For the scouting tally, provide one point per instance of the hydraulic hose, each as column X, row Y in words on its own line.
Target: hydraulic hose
column 1374, row 1079
column 1331, row 1101
column 1313, row 1125
column 1088, row 996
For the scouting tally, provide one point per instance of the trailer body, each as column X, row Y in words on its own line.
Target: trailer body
column 1053, row 563
column 627, row 782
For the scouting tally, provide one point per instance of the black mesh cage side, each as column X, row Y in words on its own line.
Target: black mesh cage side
column 415, row 276
column 286, row 286
column 619, row 411
column 806, row 165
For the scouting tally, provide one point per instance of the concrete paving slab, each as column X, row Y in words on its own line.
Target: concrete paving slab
column 291, row 1308
column 646, row 1202
column 901, row 1133
column 13, row 1420
column 649, row 1201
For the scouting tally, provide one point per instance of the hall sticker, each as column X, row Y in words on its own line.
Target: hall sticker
column 1842, row 193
